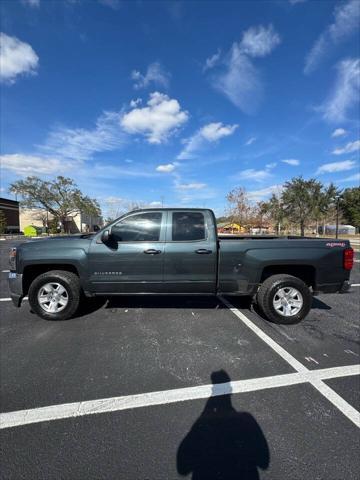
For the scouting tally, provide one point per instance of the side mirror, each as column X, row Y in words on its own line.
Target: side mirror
column 105, row 236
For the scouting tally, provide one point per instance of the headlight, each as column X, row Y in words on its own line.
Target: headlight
column 12, row 258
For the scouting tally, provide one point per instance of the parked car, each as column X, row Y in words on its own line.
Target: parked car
column 177, row 251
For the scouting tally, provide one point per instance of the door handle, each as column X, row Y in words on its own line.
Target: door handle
column 152, row 251
column 203, row 251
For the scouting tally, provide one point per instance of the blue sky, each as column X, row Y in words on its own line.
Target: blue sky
column 179, row 102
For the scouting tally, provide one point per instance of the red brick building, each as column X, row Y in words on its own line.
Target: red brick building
column 11, row 211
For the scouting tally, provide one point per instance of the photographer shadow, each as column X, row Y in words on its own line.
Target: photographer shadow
column 223, row 444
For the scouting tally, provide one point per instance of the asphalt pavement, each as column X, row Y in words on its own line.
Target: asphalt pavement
column 138, row 388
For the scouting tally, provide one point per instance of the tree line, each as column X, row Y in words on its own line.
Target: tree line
column 299, row 203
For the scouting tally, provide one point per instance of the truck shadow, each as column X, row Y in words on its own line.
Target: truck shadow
column 319, row 304
column 223, row 443
column 91, row 305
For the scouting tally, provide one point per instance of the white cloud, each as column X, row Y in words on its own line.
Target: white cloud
column 346, row 22
column 190, row 186
column 351, row 178
column 135, row 103
column 250, row 141
column 237, row 78
column 264, row 193
column 349, row 148
column 259, row 41
column 292, row 161
column 16, row 58
column 252, row 174
column 31, row 3
column 345, row 93
column 336, row 167
column 255, row 175
column 157, row 121
column 166, row 168
column 81, row 143
column 212, row 61
column 155, row 74
column 240, row 81
column 270, row 166
column 212, row 132
column 295, row 2
column 339, row 132
column 23, row 164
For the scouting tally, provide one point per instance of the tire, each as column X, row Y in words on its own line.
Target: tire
column 55, row 287
column 284, row 299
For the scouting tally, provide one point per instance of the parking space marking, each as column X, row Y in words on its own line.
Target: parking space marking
column 260, row 333
column 114, row 404
column 350, row 412
column 9, row 299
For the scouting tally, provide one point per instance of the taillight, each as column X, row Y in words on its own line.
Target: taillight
column 348, row 259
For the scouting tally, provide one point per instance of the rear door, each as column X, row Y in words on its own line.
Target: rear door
column 133, row 260
column 190, row 260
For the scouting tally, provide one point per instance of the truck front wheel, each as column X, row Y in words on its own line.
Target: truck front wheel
column 284, row 299
column 55, row 295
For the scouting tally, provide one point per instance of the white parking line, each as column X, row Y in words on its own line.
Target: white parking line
column 114, row 404
column 5, row 271
column 349, row 411
column 9, row 299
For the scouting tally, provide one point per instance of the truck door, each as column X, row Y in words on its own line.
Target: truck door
column 190, row 252
column 132, row 260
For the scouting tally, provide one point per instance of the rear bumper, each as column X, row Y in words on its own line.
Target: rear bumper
column 16, row 288
column 345, row 287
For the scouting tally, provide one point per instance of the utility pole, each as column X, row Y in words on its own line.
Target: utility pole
column 337, row 216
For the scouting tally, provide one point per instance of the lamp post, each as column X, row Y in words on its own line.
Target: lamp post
column 337, row 216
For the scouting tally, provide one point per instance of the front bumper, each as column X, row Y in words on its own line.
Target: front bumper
column 16, row 288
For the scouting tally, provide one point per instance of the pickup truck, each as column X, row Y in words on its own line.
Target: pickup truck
column 177, row 251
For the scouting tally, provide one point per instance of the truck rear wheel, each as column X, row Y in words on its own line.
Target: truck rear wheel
column 284, row 299
column 55, row 295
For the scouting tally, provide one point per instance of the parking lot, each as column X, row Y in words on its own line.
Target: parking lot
column 167, row 388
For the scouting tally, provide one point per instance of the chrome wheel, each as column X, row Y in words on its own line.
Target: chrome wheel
column 53, row 297
column 288, row 301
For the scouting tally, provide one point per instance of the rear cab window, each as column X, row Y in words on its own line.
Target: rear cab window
column 188, row 226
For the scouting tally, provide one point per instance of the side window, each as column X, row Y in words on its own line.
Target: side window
column 188, row 226
column 143, row 227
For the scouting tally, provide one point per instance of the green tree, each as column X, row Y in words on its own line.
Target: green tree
column 3, row 223
column 60, row 197
column 300, row 200
column 324, row 204
column 275, row 208
column 350, row 206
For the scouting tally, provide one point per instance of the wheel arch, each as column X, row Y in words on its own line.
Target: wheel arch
column 306, row 273
column 33, row 271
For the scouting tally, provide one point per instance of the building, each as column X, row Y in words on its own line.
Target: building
column 342, row 229
column 228, row 227
column 11, row 211
column 40, row 218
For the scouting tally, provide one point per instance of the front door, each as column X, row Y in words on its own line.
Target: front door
column 133, row 258
column 190, row 252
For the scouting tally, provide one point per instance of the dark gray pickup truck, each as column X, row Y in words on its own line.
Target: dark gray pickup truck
column 177, row 251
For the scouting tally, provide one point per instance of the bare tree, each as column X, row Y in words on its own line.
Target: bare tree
column 240, row 210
